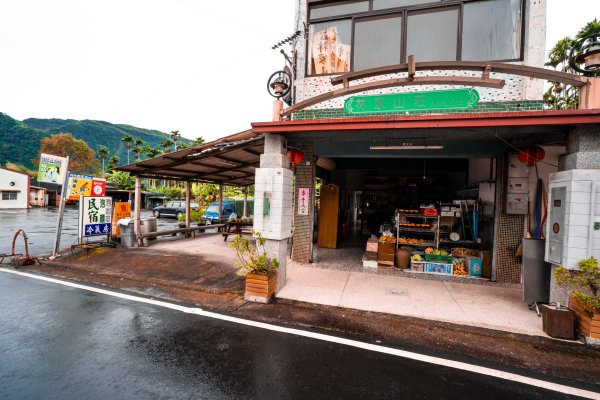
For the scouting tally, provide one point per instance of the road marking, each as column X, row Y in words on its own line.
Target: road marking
column 327, row 338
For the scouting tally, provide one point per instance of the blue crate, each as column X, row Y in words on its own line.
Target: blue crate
column 475, row 266
column 437, row 268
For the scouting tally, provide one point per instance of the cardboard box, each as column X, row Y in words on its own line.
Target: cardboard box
column 383, row 258
column 436, row 268
column 386, row 248
column 372, row 244
column 464, row 252
column 487, row 264
column 417, row 266
column 369, row 259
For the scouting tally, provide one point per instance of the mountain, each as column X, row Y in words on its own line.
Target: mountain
column 20, row 141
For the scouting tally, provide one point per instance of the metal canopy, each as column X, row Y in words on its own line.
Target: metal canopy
column 227, row 161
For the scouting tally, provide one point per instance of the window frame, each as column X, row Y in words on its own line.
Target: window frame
column 404, row 11
column 10, row 193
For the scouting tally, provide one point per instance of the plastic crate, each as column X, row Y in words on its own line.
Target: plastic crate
column 438, row 268
column 438, row 258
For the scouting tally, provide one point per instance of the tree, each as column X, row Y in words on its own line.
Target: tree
column 20, row 168
column 121, row 179
column 166, row 146
column 82, row 158
column 137, row 149
column 561, row 96
column 127, row 139
column 175, row 136
column 103, row 153
column 112, row 163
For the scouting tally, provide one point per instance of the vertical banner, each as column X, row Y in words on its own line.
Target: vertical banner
column 53, row 169
column 95, row 216
column 303, row 201
column 121, row 210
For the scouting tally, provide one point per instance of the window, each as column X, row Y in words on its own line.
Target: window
column 329, row 47
column 358, row 35
column 491, row 30
column 428, row 44
column 377, row 42
column 9, row 195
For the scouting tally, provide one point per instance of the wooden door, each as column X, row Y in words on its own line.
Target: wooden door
column 328, row 217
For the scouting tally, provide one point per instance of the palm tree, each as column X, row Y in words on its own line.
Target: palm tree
column 175, row 137
column 166, row 146
column 152, row 152
column 127, row 139
column 114, row 160
column 103, row 153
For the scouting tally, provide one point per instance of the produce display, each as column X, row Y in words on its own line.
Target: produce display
column 410, row 241
column 436, row 252
column 388, row 239
column 411, row 225
column 410, row 211
column 459, row 269
column 416, row 258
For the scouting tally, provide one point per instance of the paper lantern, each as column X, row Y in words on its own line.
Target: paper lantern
column 295, row 157
column 531, row 155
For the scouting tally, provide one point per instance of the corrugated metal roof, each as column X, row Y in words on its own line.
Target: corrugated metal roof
column 230, row 161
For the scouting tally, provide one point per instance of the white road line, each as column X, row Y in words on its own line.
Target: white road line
column 319, row 336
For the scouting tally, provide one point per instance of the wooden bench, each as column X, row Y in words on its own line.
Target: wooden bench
column 188, row 231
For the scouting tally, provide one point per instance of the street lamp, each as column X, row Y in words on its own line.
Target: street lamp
column 279, row 84
column 584, row 56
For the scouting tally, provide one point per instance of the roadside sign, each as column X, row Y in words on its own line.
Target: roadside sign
column 121, row 210
column 85, row 185
column 95, row 216
column 53, row 169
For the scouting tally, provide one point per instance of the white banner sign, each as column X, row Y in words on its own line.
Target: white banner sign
column 95, row 214
column 53, row 169
column 303, row 201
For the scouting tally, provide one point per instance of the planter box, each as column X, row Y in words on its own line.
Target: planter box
column 558, row 323
column 437, row 268
column 260, row 288
column 587, row 323
column 438, row 259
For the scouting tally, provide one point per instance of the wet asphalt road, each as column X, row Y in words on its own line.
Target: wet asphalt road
column 40, row 226
column 58, row 342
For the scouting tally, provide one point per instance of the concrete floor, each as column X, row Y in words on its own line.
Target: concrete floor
column 341, row 282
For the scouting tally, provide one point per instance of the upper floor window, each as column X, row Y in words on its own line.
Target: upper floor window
column 9, row 195
column 352, row 36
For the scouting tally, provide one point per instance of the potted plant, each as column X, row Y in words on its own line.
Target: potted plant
column 259, row 269
column 585, row 294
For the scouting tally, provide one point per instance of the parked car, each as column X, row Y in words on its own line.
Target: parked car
column 211, row 215
column 173, row 208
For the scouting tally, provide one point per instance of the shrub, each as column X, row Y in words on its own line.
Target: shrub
column 584, row 283
column 252, row 257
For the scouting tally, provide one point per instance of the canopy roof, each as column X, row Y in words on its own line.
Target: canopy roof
column 229, row 161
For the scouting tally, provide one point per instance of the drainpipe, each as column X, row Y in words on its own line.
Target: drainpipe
column 591, row 220
column 245, row 202
column 187, row 203
column 137, row 211
column 220, row 202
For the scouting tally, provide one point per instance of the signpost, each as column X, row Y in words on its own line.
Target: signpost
column 95, row 216
column 61, row 205
column 419, row 101
column 52, row 169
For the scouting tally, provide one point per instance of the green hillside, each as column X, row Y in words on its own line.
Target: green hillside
column 20, row 141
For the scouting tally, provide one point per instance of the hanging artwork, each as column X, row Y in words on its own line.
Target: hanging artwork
column 329, row 54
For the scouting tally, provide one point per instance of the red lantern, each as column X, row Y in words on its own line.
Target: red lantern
column 295, row 157
column 531, row 155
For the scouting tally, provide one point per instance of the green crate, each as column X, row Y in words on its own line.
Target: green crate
column 438, row 259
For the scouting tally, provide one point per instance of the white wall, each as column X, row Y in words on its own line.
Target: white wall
column 19, row 182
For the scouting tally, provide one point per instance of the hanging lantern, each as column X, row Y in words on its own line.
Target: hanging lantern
column 295, row 157
column 531, row 155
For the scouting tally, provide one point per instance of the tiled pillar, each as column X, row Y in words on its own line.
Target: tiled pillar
column 303, row 224
column 274, row 186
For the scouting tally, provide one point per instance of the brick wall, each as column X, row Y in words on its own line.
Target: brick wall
column 485, row 107
column 303, row 224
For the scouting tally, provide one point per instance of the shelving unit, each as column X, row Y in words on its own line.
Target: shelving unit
column 432, row 231
column 462, row 225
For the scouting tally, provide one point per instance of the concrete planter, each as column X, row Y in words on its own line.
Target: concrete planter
column 587, row 323
column 260, row 288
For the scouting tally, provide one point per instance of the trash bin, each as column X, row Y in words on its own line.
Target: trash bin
column 148, row 225
column 127, row 232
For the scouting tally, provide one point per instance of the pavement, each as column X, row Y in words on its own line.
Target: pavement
column 475, row 320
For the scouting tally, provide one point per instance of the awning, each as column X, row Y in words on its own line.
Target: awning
column 228, row 161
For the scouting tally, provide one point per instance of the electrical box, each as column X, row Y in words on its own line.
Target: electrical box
column 573, row 210
column 517, row 186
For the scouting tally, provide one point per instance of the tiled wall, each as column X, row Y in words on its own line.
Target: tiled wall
column 303, row 224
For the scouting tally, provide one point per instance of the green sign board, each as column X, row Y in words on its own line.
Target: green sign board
column 457, row 99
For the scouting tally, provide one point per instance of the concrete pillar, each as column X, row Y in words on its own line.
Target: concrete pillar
column 245, row 202
column 274, row 187
column 590, row 95
column 188, row 196
column 220, row 202
column 138, row 210
column 583, row 149
column 303, row 224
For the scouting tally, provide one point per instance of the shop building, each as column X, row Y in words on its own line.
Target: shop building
column 442, row 151
column 14, row 189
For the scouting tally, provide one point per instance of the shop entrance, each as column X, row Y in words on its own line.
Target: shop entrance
column 421, row 204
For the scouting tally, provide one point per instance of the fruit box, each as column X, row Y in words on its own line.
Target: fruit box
column 437, row 268
column 372, row 244
column 438, row 259
column 386, row 248
column 417, row 266
column 463, row 252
